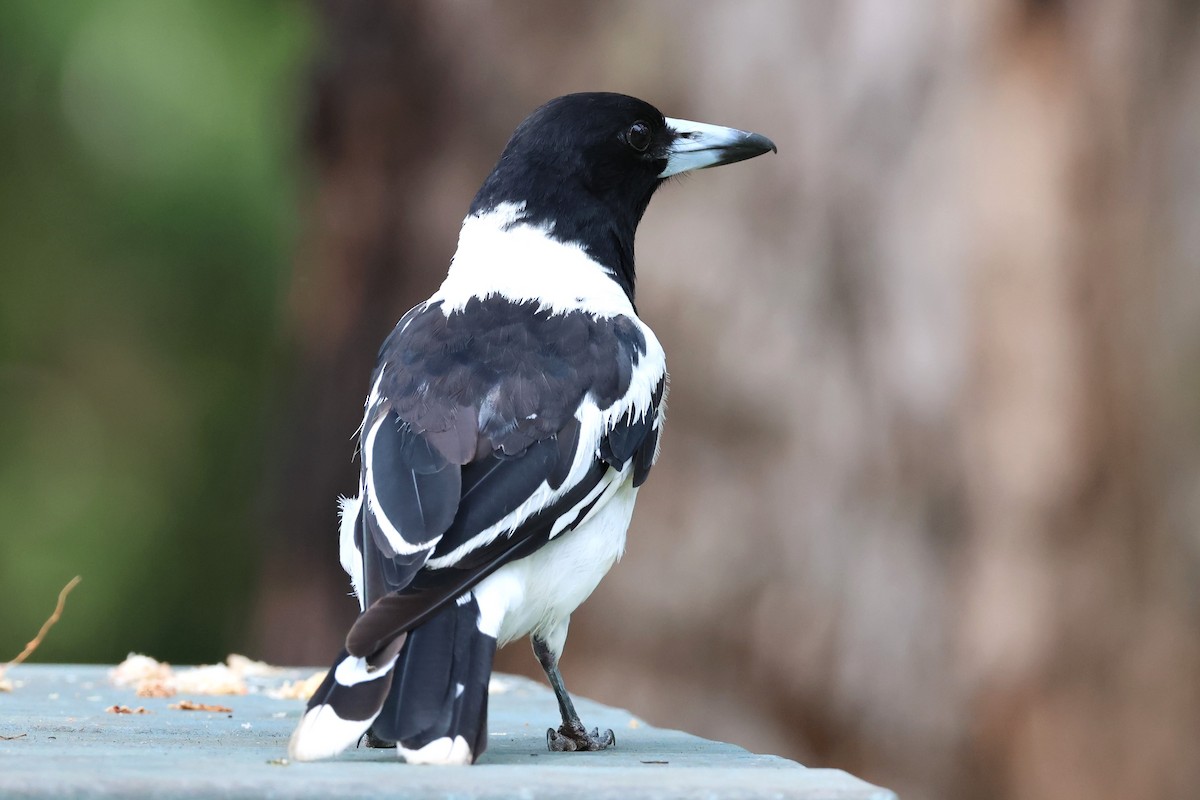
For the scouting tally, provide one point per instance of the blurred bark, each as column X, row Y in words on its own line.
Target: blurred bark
column 927, row 505
column 378, row 120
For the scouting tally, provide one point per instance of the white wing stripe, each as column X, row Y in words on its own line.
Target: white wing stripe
column 566, row 519
column 396, row 541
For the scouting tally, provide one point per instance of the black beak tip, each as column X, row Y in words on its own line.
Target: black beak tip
column 748, row 145
column 761, row 142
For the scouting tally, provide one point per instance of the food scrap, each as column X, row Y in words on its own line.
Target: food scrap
column 298, row 690
column 211, row 679
column 249, row 668
column 126, row 710
column 152, row 687
column 189, row 705
column 152, row 678
column 142, row 672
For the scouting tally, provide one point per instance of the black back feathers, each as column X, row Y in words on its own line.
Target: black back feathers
column 476, row 413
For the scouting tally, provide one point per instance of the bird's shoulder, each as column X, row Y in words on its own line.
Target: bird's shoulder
column 511, row 371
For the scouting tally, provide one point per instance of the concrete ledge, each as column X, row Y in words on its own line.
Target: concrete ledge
column 66, row 745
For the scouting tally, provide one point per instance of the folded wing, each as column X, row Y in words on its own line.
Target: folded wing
column 490, row 431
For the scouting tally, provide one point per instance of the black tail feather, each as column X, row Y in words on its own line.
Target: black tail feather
column 436, row 709
column 345, row 704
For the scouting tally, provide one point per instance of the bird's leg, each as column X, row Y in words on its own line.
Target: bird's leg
column 571, row 735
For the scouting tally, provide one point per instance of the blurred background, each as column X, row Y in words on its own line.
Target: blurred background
column 928, row 508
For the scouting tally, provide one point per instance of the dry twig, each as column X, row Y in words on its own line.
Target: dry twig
column 46, row 626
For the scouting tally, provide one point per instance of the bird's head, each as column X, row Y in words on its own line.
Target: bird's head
column 584, row 167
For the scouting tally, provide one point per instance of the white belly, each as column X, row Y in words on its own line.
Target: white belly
column 538, row 593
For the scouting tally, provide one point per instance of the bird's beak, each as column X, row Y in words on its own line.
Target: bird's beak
column 698, row 145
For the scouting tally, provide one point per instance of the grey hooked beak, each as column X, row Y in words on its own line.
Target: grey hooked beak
column 698, row 145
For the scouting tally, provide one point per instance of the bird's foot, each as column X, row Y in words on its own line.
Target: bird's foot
column 569, row 738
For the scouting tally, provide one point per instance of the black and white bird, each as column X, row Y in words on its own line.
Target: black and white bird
column 511, row 418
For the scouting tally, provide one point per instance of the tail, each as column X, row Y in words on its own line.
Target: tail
column 345, row 704
column 436, row 710
column 427, row 692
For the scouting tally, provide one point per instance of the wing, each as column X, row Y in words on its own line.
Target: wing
column 488, row 432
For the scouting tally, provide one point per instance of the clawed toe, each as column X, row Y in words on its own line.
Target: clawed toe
column 559, row 743
column 567, row 739
column 609, row 739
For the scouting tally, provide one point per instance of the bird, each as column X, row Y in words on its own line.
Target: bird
column 511, row 420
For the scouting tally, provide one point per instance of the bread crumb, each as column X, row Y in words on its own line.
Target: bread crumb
column 153, row 687
column 152, row 678
column 137, row 668
column 249, row 668
column 189, row 705
column 210, row 679
column 298, row 690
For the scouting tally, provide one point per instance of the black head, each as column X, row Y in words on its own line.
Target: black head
column 586, row 165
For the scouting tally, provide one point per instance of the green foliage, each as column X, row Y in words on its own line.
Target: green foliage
column 147, row 183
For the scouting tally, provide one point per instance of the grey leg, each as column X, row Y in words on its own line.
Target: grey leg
column 572, row 735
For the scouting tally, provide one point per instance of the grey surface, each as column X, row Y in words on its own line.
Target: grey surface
column 70, row 747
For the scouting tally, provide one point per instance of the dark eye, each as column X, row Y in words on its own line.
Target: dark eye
column 638, row 136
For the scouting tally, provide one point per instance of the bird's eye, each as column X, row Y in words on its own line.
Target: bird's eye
column 638, row 136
